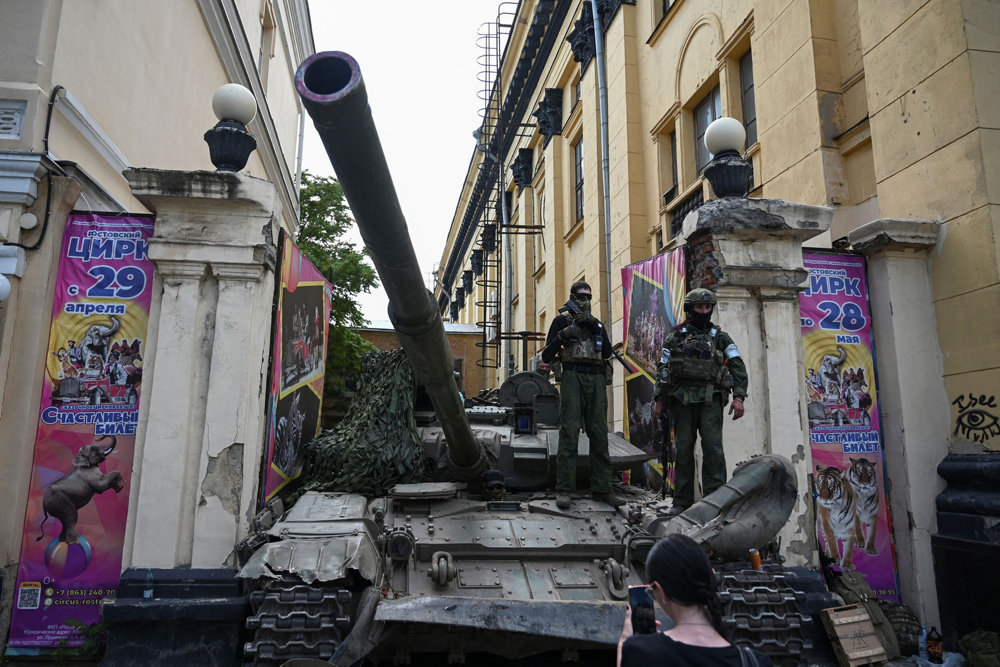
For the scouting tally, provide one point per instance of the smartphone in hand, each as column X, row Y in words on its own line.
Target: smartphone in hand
column 643, row 615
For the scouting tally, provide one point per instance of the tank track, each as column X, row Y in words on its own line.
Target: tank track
column 771, row 610
column 292, row 619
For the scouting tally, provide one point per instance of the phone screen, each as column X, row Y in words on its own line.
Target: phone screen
column 643, row 616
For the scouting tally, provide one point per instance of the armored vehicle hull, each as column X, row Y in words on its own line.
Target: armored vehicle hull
column 474, row 558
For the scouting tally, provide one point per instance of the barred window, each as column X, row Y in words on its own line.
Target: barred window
column 747, row 98
column 578, row 159
column 705, row 112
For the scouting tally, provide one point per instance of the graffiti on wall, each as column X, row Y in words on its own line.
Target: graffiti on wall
column 977, row 417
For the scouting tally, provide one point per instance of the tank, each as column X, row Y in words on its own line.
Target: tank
column 457, row 567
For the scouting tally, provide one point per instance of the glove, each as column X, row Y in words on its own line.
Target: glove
column 572, row 332
column 587, row 320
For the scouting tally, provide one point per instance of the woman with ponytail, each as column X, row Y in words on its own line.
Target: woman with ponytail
column 683, row 583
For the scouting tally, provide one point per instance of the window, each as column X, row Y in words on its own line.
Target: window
column 746, row 96
column 671, row 176
column 538, row 237
column 663, row 8
column 578, row 160
column 705, row 112
column 266, row 48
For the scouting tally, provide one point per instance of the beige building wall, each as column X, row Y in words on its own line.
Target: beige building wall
column 886, row 112
column 135, row 83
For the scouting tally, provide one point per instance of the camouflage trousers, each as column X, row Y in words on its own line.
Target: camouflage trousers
column 688, row 422
column 583, row 401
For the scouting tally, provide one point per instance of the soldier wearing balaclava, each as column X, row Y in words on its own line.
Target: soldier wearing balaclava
column 699, row 366
column 580, row 342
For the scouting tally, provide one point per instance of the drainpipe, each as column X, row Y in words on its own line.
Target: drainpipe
column 509, row 273
column 298, row 166
column 602, row 82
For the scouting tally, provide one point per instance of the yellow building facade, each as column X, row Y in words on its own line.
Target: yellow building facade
column 885, row 112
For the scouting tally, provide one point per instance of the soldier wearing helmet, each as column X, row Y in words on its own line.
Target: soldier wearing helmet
column 699, row 366
column 581, row 343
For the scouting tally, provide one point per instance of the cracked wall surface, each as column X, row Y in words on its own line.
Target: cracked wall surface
column 224, row 478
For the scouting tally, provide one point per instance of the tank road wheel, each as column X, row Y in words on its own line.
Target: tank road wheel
column 291, row 619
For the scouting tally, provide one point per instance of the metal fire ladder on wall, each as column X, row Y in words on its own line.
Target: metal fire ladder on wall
column 487, row 258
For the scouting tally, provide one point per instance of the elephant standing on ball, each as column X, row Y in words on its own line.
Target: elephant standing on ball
column 65, row 496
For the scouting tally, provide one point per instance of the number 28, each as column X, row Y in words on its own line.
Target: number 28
column 848, row 318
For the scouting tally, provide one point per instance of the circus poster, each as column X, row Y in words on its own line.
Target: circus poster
column 654, row 294
column 74, row 525
column 298, row 367
column 849, row 477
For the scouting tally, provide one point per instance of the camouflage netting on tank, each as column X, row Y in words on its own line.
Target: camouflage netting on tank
column 376, row 445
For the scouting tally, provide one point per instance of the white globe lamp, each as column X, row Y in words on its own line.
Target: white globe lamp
column 727, row 172
column 234, row 102
column 725, row 135
column 229, row 143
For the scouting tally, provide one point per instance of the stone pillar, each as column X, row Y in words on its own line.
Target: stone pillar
column 199, row 452
column 913, row 403
column 750, row 251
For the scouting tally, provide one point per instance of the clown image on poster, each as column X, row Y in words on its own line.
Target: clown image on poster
column 849, row 480
column 78, row 494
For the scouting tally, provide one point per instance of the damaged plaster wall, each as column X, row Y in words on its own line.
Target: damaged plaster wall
column 221, row 489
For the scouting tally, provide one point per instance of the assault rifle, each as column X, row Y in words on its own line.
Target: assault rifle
column 668, row 452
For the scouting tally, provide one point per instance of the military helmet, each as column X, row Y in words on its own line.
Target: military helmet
column 700, row 295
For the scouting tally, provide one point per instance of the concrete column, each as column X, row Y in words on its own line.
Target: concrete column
column 913, row 403
column 750, row 251
column 199, row 450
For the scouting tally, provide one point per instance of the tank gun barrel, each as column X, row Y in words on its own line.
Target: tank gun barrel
column 334, row 95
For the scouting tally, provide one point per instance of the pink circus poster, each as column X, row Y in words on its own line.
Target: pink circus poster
column 74, row 525
column 298, row 367
column 853, row 522
column 654, row 292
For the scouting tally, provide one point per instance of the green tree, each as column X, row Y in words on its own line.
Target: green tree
column 325, row 219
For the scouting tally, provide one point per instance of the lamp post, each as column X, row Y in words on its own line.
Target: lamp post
column 229, row 143
column 728, row 172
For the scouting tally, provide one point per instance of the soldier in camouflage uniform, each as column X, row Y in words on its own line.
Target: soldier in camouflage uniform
column 582, row 345
column 699, row 366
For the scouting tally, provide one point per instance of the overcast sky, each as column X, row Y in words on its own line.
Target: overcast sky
column 419, row 64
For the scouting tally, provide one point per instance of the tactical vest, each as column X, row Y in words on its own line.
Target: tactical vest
column 693, row 358
column 583, row 351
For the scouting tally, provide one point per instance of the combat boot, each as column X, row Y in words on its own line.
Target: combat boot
column 612, row 498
